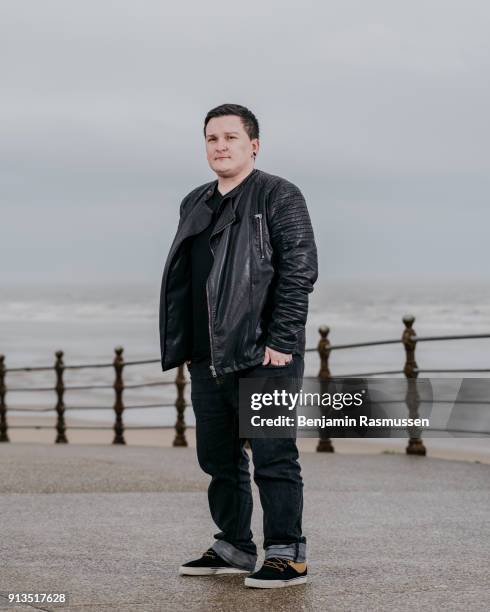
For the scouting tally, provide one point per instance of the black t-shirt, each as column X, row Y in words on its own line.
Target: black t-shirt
column 201, row 264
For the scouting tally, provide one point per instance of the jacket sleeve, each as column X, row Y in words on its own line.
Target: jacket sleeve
column 296, row 263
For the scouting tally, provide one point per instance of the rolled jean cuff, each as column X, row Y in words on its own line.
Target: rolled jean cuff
column 234, row 556
column 294, row 552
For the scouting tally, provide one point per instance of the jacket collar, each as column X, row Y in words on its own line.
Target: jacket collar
column 230, row 194
column 200, row 214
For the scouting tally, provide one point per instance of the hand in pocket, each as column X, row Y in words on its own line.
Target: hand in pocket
column 275, row 358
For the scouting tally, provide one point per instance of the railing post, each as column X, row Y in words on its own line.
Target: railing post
column 59, row 367
column 409, row 338
column 118, row 404
column 324, row 352
column 180, row 405
column 3, row 406
column 409, row 342
column 324, row 444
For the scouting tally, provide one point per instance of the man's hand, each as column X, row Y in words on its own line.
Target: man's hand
column 275, row 357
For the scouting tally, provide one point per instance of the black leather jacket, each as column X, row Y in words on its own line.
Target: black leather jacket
column 265, row 265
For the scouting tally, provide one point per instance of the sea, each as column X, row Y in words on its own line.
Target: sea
column 87, row 322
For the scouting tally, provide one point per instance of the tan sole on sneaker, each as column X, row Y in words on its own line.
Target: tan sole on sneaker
column 274, row 584
column 209, row 571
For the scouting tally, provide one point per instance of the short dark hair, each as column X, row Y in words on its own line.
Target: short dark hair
column 249, row 120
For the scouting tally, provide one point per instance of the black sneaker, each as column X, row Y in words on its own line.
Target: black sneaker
column 276, row 573
column 209, row 564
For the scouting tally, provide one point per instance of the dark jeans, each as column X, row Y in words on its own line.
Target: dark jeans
column 222, row 455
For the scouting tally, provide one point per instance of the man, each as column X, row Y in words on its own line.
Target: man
column 234, row 302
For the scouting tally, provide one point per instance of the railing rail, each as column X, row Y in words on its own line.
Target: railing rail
column 410, row 369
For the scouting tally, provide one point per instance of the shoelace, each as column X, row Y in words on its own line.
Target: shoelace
column 210, row 553
column 276, row 563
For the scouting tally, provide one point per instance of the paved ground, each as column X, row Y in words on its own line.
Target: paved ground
column 109, row 525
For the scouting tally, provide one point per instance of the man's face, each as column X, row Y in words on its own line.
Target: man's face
column 228, row 147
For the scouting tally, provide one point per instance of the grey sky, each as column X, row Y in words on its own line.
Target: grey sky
column 378, row 111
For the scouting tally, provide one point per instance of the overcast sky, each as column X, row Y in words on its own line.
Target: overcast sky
column 377, row 110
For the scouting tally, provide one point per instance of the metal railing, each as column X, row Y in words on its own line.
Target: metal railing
column 410, row 370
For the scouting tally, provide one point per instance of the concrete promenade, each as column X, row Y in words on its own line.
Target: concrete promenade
column 109, row 525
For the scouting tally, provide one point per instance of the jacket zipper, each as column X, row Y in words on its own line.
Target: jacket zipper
column 212, row 366
column 258, row 216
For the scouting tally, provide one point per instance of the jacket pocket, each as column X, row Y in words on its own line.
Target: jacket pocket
column 260, row 233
